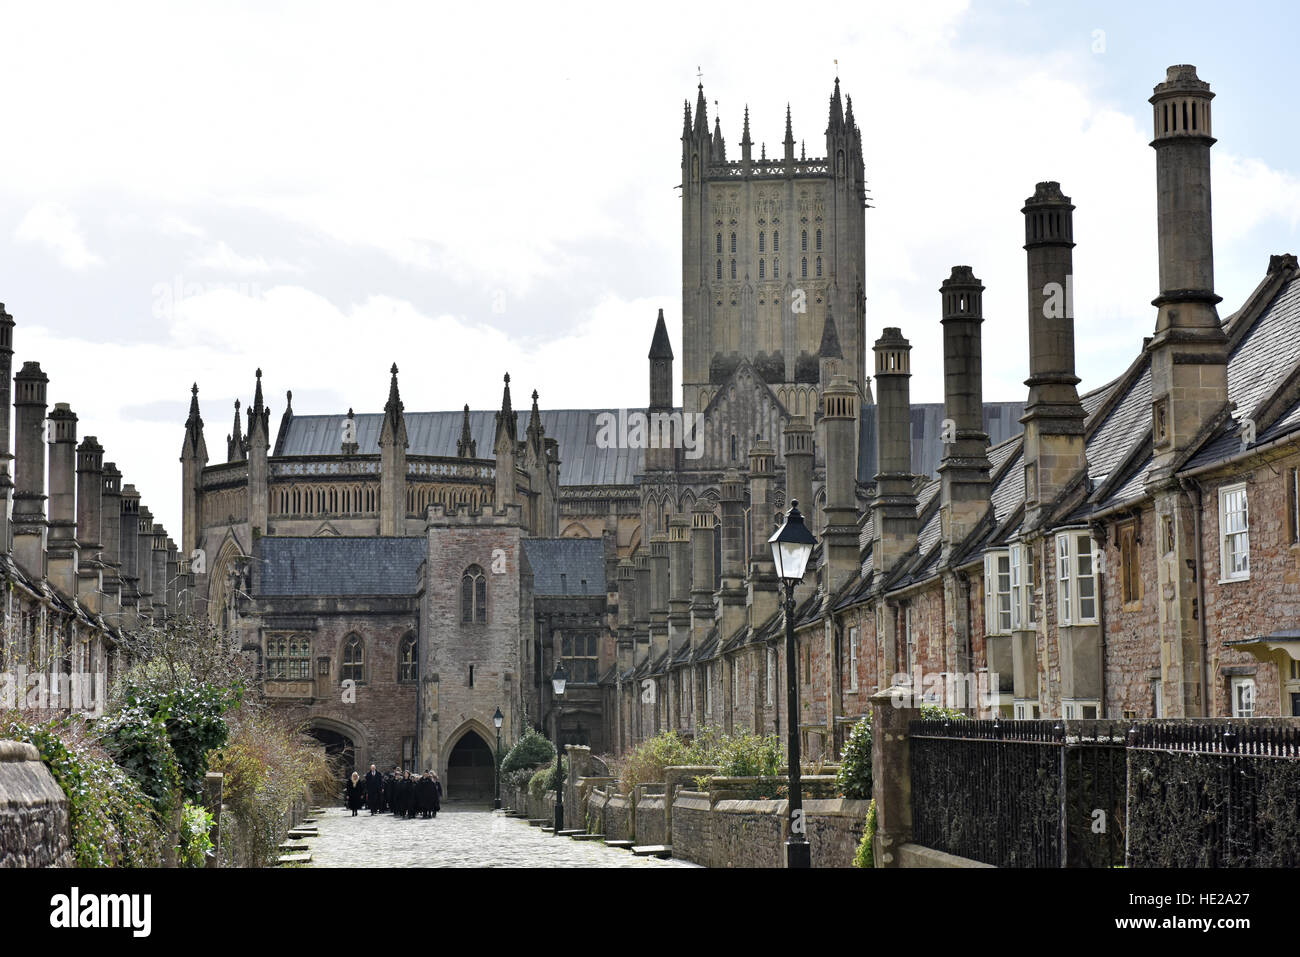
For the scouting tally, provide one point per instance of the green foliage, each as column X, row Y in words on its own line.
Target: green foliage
column 112, row 821
column 645, row 763
column 866, row 855
column 544, row 779
column 747, row 754
column 854, row 775
column 269, row 765
column 528, row 752
column 195, row 845
column 162, row 738
column 934, row 712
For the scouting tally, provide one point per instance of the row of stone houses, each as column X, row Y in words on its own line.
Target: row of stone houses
column 82, row 561
column 1134, row 553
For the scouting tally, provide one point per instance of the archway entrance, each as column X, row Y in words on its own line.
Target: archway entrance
column 340, row 752
column 471, row 771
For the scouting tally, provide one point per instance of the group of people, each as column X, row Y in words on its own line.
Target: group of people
column 399, row 792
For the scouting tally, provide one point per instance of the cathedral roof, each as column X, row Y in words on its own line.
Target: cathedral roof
column 566, row 566
column 337, row 566
column 582, row 461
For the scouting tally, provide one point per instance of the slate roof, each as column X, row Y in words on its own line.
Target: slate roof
column 1001, row 422
column 336, row 566
column 566, row 566
column 582, row 462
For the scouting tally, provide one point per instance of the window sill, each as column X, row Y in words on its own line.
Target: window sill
column 1233, row 581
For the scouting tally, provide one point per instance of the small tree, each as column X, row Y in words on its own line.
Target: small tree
column 528, row 752
column 854, row 776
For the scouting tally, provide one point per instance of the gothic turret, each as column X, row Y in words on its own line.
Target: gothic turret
column 466, row 447
column 505, row 448
column 259, row 443
column 194, row 456
column 236, row 450
column 392, row 462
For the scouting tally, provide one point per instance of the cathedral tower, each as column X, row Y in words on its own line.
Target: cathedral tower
column 770, row 248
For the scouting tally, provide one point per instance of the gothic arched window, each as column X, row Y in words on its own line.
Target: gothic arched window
column 776, row 267
column 718, row 244
column 354, row 660
column 819, row 265
column 804, row 241
column 776, row 240
column 733, row 448
column 473, row 596
column 804, row 272
column 733, row 269
column 733, row 244
column 762, row 269
column 408, row 660
column 761, row 238
column 819, row 240
column 719, row 268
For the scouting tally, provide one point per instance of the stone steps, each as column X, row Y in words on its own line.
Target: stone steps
column 537, row 821
column 653, row 850
column 570, row 832
column 588, row 837
column 293, row 859
column 290, row 848
column 619, row 844
column 299, row 832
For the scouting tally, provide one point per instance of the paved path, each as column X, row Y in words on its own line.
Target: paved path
column 457, row 837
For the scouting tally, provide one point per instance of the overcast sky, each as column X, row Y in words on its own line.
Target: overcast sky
column 189, row 193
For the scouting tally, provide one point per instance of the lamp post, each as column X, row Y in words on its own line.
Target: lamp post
column 792, row 546
column 497, row 719
column 558, row 681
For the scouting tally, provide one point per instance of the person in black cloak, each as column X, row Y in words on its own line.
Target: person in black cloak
column 374, row 789
column 355, row 793
column 405, row 795
column 437, row 793
column 390, row 779
column 424, row 796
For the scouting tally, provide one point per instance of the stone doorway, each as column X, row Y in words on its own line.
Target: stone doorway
column 340, row 751
column 471, row 771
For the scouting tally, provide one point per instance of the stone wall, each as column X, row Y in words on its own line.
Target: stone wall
column 651, row 821
column 620, row 818
column 748, row 834
column 33, row 811
column 692, row 827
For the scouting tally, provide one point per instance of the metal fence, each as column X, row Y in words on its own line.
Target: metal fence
column 1214, row 794
column 1020, row 793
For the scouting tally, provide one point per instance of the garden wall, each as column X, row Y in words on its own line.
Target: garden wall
column 33, row 811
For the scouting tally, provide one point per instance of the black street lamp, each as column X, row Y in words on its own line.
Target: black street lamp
column 792, row 546
column 558, row 681
column 497, row 719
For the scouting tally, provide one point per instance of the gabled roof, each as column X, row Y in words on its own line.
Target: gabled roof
column 566, row 566
column 285, row 567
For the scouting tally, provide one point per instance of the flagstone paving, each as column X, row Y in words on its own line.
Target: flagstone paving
column 457, row 837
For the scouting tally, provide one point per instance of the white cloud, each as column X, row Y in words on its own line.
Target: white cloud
column 56, row 228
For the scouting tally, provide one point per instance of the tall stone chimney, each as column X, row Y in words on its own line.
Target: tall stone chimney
column 964, row 467
column 679, row 581
column 644, row 595
column 1053, row 419
column 732, row 592
column 840, row 552
column 703, row 610
column 626, row 613
column 144, row 560
column 29, row 524
column 1189, row 354
column 111, row 526
column 799, row 451
column 659, row 595
column 894, row 508
column 6, row 397
column 762, row 584
column 63, row 553
column 162, row 585
column 129, row 545
column 90, row 519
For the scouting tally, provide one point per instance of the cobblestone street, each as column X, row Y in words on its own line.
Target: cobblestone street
column 457, row 837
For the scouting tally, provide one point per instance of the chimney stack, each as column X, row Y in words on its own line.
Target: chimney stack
column 6, row 396
column 964, row 467
column 733, row 554
column 1053, row 419
column 144, row 560
column 840, row 546
column 894, row 507
column 63, row 552
column 679, row 574
column 29, row 524
column 702, row 575
column 90, row 512
column 763, row 587
column 129, row 546
column 111, row 530
column 1189, row 354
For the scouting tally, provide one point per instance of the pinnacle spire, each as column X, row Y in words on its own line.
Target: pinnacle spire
column 506, row 416
column 466, row 447
column 686, row 122
column 536, row 433
column 235, row 440
column 257, row 395
column 394, row 427
column 837, row 109
column 194, row 425
column 701, row 114
column 744, row 139
column 660, row 346
column 830, row 347
column 789, row 129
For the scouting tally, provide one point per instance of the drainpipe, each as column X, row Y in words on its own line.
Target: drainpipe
column 1192, row 486
column 1101, row 609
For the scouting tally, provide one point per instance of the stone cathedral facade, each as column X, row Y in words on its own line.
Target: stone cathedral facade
column 402, row 575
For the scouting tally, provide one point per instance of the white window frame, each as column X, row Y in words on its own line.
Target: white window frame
column 1244, row 686
column 1073, row 709
column 1234, row 540
column 853, row 658
column 1026, row 710
column 1022, row 586
column 1076, row 578
column 997, row 592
